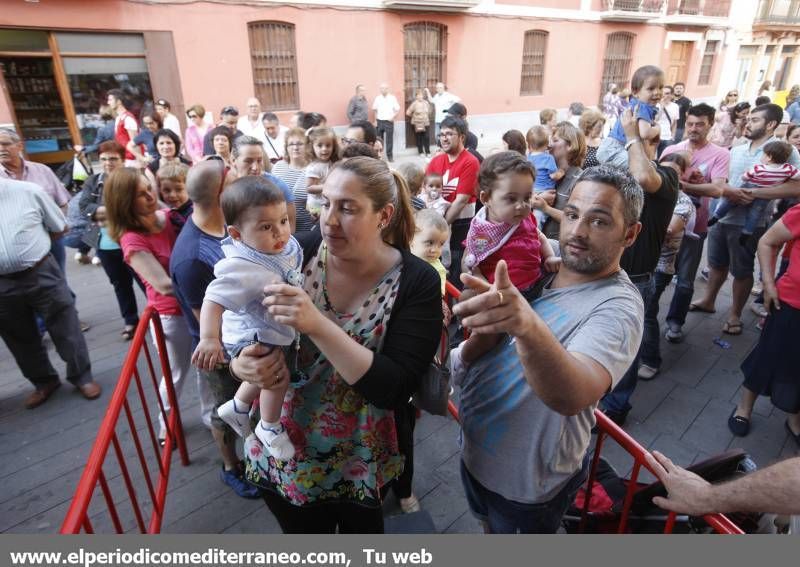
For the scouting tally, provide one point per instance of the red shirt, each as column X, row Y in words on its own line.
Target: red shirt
column 460, row 177
column 121, row 134
column 160, row 246
column 789, row 284
column 523, row 255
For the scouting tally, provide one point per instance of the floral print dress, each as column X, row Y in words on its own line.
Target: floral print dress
column 346, row 448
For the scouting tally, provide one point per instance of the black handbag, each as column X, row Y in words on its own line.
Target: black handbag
column 433, row 392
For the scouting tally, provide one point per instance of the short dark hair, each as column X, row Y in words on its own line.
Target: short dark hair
column 269, row 117
column 370, row 133
column 641, row 74
column 311, row 120
column 164, row 133
column 248, row 192
column 120, row 95
column 778, row 151
column 501, row 163
column 515, row 141
column 621, row 179
column 457, row 124
column 702, row 109
column 762, row 100
column 772, row 112
column 677, row 158
column 155, row 117
column 680, row 83
column 221, row 131
column 359, row 149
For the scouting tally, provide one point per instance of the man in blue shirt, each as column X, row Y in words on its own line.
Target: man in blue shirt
column 194, row 255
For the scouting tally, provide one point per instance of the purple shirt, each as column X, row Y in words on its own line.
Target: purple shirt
column 712, row 161
column 42, row 176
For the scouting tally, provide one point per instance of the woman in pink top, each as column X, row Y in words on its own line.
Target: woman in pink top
column 193, row 139
column 147, row 237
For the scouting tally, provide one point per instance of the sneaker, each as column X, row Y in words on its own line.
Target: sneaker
column 674, row 333
column 84, row 326
column 96, row 261
column 758, row 310
column 704, row 274
column 235, row 479
column 458, row 370
column 276, row 441
column 82, row 258
column 239, row 421
column 647, row 372
column 758, row 287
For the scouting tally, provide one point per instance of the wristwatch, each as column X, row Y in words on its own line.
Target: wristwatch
column 629, row 143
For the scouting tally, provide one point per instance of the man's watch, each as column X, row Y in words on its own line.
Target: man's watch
column 629, row 143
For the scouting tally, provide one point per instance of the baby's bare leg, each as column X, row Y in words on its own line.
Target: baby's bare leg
column 271, row 403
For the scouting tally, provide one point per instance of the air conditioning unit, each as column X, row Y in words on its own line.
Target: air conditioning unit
column 439, row 5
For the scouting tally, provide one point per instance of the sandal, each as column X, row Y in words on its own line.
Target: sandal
column 732, row 328
column 127, row 332
column 696, row 307
column 411, row 504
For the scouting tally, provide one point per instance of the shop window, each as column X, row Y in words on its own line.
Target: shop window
column 274, row 60
column 617, row 60
column 80, row 43
column 707, row 65
column 23, row 40
column 533, row 54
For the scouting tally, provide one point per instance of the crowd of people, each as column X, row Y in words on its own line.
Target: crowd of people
column 300, row 280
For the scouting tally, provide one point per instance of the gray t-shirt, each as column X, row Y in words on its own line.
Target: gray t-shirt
column 512, row 443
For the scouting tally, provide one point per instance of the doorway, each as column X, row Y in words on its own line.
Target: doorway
column 425, row 58
column 680, row 53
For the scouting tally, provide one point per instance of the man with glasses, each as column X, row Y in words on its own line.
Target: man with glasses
column 362, row 132
column 459, row 171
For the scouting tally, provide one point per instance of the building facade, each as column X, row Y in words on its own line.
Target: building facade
column 506, row 59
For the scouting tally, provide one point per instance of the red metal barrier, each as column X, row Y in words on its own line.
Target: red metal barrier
column 77, row 517
column 607, row 428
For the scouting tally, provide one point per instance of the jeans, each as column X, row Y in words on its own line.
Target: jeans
column 686, row 265
column 386, row 130
column 423, row 141
column 755, row 212
column 503, row 516
column 651, row 346
column 121, row 277
column 617, row 399
column 73, row 240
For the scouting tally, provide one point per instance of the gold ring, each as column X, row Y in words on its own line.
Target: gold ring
column 500, row 294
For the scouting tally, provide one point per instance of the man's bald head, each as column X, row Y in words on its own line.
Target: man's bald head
column 203, row 183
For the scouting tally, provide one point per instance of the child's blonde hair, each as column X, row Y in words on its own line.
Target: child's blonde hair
column 546, row 115
column 537, row 138
column 320, row 133
column 429, row 176
column 173, row 171
column 414, row 175
column 429, row 218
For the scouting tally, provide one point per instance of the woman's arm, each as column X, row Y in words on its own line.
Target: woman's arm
column 412, row 335
column 148, row 268
column 768, row 247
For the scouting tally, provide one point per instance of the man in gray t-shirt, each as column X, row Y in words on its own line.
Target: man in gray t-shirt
column 527, row 406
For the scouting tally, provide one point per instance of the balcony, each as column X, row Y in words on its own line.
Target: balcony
column 437, row 5
column 631, row 10
column 777, row 15
column 708, row 8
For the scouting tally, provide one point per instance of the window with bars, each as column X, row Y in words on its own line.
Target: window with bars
column 274, row 59
column 534, row 51
column 707, row 65
column 617, row 60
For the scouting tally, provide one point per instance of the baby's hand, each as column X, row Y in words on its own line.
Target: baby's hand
column 552, row 264
column 208, row 354
column 558, row 174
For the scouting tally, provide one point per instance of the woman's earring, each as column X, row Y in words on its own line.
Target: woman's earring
column 381, row 226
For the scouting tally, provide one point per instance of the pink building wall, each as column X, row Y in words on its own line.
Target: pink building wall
column 338, row 48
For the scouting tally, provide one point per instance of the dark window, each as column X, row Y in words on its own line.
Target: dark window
column 534, row 51
column 272, row 52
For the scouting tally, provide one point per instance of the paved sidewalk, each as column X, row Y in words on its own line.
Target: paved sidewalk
column 682, row 412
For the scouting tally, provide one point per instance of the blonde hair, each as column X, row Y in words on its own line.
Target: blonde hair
column 547, row 114
column 414, row 175
column 320, row 133
column 119, row 194
column 575, row 140
column 429, row 218
column 589, row 121
column 383, row 187
column 537, row 137
column 172, row 171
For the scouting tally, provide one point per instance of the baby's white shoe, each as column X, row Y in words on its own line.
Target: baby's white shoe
column 238, row 420
column 276, row 441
